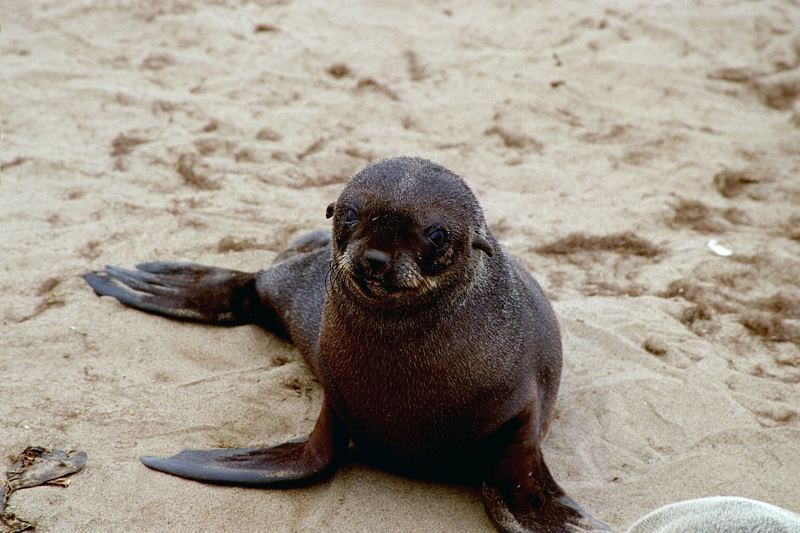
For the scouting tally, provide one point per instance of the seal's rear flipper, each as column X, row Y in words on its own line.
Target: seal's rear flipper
column 294, row 462
column 184, row 291
column 519, row 494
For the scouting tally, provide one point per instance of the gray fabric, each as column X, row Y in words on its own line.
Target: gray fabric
column 723, row 514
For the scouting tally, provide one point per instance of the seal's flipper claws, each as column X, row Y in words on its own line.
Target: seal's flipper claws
column 173, row 267
column 141, row 281
column 184, row 291
column 295, row 462
column 106, row 285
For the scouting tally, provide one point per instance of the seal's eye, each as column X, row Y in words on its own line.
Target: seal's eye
column 437, row 237
column 350, row 216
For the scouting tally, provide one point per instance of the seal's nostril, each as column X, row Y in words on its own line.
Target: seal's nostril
column 376, row 259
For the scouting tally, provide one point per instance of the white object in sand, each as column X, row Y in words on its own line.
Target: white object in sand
column 718, row 249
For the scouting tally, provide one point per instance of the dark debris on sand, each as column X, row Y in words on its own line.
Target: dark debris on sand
column 625, row 243
column 35, row 466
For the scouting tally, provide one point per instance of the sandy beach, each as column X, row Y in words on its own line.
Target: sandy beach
column 641, row 158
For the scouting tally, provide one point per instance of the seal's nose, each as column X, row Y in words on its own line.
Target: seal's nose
column 377, row 260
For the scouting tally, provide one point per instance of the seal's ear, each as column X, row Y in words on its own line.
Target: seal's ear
column 329, row 210
column 482, row 243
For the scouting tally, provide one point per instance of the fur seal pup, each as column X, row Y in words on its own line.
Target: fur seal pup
column 438, row 352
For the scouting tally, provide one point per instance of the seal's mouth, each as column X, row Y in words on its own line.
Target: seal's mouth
column 376, row 288
column 393, row 288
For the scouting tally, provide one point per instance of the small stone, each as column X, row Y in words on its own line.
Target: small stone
column 655, row 346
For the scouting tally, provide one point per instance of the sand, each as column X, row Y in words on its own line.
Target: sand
column 607, row 143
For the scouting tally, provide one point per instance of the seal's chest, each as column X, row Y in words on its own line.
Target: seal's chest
column 413, row 405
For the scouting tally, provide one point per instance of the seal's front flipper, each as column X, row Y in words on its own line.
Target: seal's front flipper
column 253, row 467
column 295, row 462
column 184, row 291
column 519, row 494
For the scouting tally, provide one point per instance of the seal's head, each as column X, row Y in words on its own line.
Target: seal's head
column 403, row 229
